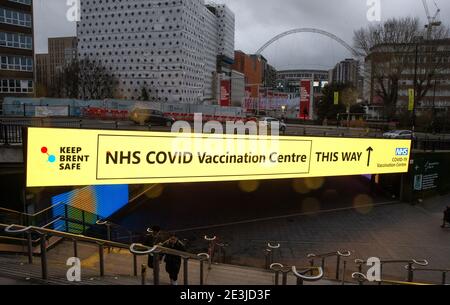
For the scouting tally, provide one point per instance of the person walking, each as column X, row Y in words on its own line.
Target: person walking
column 173, row 262
column 446, row 217
column 154, row 237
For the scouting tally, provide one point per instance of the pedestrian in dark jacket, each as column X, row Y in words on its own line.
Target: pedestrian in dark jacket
column 173, row 262
column 446, row 217
column 155, row 237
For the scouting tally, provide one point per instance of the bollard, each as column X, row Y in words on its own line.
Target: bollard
column 410, row 273
column 284, row 280
column 156, row 269
column 102, row 259
column 338, row 266
column 343, row 273
column 277, row 278
column 30, row 248
column 202, row 258
column 201, row 273
column 44, row 257
column 311, row 263
column 134, row 264
column 277, row 272
column 211, row 241
column 185, row 270
column 268, row 258
column 360, row 271
column 444, row 278
column 299, row 282
column 143, row 274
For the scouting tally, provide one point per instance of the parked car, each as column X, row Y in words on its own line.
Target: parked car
column 268, row 121
column 151, row 117
column 399, row 134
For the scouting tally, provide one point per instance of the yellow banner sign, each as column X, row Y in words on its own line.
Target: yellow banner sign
column 411, row 98
column 336, row 98
column 72, row 157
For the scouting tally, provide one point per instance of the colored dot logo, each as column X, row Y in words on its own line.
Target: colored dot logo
column 51, row 158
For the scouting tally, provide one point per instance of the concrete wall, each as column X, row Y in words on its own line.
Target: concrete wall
column 11, row 154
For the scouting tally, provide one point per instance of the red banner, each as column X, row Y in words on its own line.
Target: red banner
column 225, row 93
column 305, row 99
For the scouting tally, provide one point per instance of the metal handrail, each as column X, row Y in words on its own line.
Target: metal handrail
column 156, row 251
column 362, row 278
column 409, row 267
column 75, row 238
column 269, row 253
column 79, row 237
column 338, row 254
column 383, row 262
column 274, row 246
column 300, row 273
column 31, row 215
column 330, row 254
column 431, row 270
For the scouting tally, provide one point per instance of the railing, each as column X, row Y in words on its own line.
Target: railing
column 157, row 251
column 299, row 273
column 338, row 254
column 69, row 219
column 45, row 233
column 37, row 219
column 10, row 134
column 443, row 272
column 214, row 246
column 270, row 251
column 409, row 267
column 362, row 278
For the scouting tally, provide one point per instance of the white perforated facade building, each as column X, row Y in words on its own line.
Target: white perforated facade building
column 168, row 47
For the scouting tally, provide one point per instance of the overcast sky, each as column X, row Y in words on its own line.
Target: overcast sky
column 257, row 21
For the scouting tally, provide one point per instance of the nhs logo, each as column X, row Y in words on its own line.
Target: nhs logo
column 400, row 152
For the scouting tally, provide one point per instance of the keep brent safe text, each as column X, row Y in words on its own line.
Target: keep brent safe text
column 71, row 158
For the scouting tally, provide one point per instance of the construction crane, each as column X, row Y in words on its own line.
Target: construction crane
column 432, row 21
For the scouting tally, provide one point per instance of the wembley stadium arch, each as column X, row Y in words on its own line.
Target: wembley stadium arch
column 353, row 51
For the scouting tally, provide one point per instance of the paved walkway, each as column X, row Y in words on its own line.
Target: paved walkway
column 396, row 231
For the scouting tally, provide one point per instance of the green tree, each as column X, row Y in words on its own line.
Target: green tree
column 326, row 109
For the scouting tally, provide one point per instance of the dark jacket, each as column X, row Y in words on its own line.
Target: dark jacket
column 151, row 240
column 173, row 262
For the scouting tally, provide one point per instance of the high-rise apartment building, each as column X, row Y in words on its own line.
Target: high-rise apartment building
column 168, row 47
column 16, row 48
column 61, row 51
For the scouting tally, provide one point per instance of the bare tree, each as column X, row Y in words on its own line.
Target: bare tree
column 86, row 79
column 390, row 50
column 95, row 82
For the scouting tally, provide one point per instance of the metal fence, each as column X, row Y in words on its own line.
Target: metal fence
column 10, row 134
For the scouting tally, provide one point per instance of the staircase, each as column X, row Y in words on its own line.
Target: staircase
column 119, row 270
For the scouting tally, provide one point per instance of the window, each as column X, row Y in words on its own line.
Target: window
column 15, row 18
column 16, row 86
column 17, row 63
column 14, row 40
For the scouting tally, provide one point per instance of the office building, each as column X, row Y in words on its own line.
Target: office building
column 16, row 48
column 171, row 48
